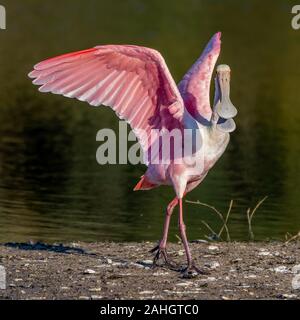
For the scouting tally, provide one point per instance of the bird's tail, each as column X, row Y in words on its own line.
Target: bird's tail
column 144, row 184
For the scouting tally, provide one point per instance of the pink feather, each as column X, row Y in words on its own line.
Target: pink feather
column 134, row 81
column 194, row 87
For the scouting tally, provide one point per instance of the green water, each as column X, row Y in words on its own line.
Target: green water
column 51, row 187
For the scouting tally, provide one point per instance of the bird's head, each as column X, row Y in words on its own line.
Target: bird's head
column 223, row 110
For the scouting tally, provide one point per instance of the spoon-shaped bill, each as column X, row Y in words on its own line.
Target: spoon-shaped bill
column 225, row 108
column 226, row 126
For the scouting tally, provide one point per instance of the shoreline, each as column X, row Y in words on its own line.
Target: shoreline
column 110, row 270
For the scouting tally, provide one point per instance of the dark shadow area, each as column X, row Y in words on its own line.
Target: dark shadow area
column 39, row 246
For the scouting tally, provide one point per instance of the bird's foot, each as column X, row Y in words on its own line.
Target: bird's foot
column 161, row 253
column 192, row 271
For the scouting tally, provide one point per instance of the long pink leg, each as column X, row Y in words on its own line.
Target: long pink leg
column 182, row 230
column 161, row 248
column 169, row 211
column 190, row 263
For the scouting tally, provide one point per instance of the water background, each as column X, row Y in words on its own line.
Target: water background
column 51, row 187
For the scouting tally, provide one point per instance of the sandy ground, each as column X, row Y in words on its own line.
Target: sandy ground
column 124, row 271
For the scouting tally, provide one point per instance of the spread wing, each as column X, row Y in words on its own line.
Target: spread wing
column 134, row 81
column 195, row 85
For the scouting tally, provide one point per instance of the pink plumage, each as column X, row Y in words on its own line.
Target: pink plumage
column 134, row 81
column 195, row 84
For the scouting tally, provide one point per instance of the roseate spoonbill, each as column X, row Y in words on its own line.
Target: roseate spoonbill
column 136, row 83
